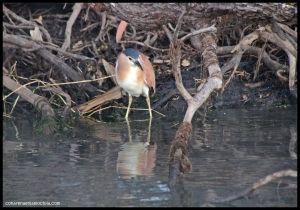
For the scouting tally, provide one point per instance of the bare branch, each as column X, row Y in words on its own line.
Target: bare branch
column 202, row 30
column 256, row 185
column 76, row 10
column 145, row 45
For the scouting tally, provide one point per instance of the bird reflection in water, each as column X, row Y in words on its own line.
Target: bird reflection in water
column 137, row 158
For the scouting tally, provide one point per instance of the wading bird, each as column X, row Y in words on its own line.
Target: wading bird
column 135, row 74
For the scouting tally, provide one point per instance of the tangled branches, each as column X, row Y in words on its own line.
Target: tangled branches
column 72, row 45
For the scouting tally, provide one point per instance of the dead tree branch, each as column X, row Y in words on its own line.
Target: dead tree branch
column 178, row 159
column 258, row 184
column 76, row 10
column 37, row 101
column 26, row 22
column 25, row 44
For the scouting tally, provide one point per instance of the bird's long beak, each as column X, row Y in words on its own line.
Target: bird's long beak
column 137, row 62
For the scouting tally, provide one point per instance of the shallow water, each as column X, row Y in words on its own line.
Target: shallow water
column 100, row 165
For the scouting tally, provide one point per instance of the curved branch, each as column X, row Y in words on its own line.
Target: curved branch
column 202, row 30
column 259, row 183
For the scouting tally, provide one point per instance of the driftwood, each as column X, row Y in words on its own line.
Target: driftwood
column 258, row 184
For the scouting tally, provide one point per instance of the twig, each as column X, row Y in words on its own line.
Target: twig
column 18, row 26
column 147, row 39
column 280, row 76
column 169, row 35
column 134, row 31
column 240, row 48
column 259, row 60
column 237, row 60
column 171, row 27
column 175, row 57
column 79, row 57
column 287, row 29
column 70, row 72
column 103, row 22
column 18, row 88
column 202, row 30
column 57, row 90
column 254, row 85
column 179, row 22
column 15, row 16
column 37, row 46
column 81, row 81
column 89, row 26
column 145, row 45
column 292, row 70
column 258, row 184
column 14, row 105
column 76, row 10
column 41, row 103
column 153, row 39
column 283, row 44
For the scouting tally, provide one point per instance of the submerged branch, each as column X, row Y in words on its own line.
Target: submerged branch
column 258, row 184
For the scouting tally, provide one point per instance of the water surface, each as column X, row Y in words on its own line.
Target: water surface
column 100, row 165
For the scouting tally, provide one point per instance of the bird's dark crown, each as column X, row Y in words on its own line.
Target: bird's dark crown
column 132, row 53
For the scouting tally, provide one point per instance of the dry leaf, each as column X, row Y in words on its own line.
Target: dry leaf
column 185, row 62
column 110, row 70
column 36, row 34
column 39, row 20
column 121, row 28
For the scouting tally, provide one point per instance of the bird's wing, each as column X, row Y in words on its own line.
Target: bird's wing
column 149, row 75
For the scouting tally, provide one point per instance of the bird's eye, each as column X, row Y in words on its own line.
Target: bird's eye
column 130, row 58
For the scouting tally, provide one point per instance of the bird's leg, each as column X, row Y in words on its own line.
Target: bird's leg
column 129, row 105
column 149, row 106
column 149, row 132
column 129, row 130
